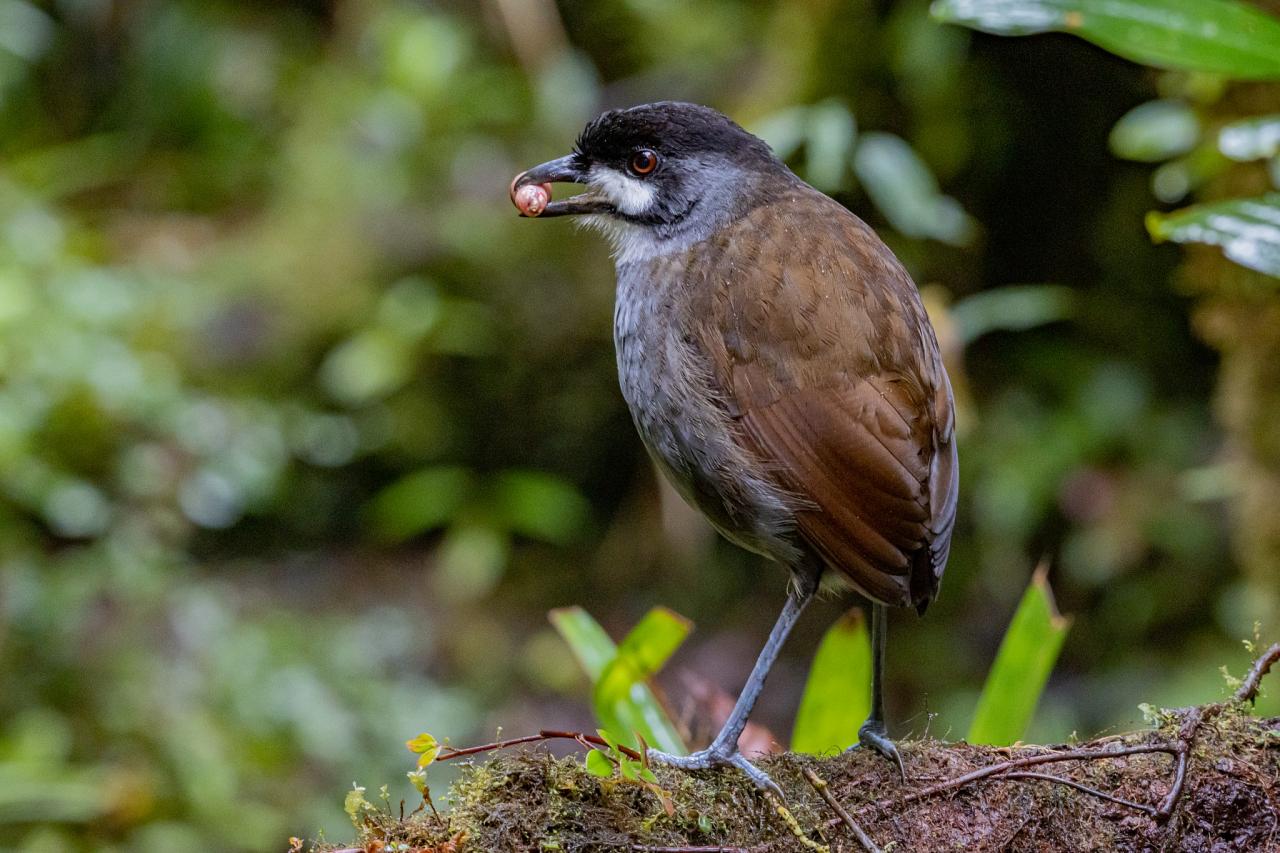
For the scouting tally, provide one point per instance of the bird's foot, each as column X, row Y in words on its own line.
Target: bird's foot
column 714, row 756
column 872, row 734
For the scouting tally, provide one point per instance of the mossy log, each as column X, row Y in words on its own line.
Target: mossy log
column 1205, row 778
column 534, row 802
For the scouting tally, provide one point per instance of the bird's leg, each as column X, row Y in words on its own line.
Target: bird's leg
column 872, row 733
column 724, row 749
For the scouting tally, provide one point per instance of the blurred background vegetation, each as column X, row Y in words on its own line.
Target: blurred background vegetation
column 303, row 431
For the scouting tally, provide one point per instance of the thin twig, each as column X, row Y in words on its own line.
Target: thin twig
column 824, row 790
column 1248, row 689
column 1079, row 786
column 644, row 848
column 1029, row 761
column 546, row 734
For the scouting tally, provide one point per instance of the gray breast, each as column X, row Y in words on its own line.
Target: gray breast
column 682, row 417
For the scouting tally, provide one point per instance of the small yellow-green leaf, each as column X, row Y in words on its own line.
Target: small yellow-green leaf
column 1026, row 657
column 598, row 764
column 427, row 748
column 837, row 695
column 1247, row 229
column 418, row 778
column 1218, row 36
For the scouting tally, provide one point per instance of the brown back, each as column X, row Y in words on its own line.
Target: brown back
column 823, row 351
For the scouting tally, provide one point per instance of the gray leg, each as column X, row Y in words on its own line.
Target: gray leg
column 724, row 749
column 872, row 733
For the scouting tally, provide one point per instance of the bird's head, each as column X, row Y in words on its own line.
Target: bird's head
column 654, row 174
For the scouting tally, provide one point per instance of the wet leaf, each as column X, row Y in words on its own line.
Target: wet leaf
column 1247, row 229
column 1252, row 139
column 837, row 695
column 1219, row 36
column 1026, row 657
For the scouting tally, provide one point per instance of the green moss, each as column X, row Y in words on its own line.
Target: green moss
column 534, row 802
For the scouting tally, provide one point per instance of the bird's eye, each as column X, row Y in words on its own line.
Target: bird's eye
column 643, row 162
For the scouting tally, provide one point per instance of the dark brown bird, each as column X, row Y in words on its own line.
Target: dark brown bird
column 778, row 364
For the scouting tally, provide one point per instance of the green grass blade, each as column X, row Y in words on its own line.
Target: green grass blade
column 837, row 696
column 1022, row 666
column 589, row 643
column 1218, row 36
column 1247, row 229
column 623, row 702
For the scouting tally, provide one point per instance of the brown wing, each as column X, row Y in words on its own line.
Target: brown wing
column 827, row 359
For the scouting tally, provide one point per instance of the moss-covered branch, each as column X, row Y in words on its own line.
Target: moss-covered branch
column 1203, row 778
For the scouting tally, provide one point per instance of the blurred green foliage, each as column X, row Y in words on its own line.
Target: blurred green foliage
column 302, row 431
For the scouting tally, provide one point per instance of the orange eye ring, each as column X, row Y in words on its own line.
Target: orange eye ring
column 643, row 161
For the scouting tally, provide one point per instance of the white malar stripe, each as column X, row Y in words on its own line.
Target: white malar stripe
column 630, row 195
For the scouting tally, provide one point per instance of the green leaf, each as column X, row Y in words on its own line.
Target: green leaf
column 831, row 133
column 621, row 699
column 1022, row 666
column 630, row 769
column 1155, row 131
column 640, row 711
column 589, row 643
column 541, row 506
column 418, row 502
column 906, row 192
column 1252, row 139
column 837, row 696
column 1218, row 36
column 609, row 739
column 1012, row 308
column 598, row 764
column 423, row 744
column 1247, row 229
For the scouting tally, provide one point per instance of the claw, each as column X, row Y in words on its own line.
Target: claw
column 872, row 734
column 709, row 758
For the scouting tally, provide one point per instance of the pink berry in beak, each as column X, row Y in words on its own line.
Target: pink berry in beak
column 530, row 199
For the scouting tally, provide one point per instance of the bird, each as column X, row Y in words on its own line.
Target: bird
column 779, row 367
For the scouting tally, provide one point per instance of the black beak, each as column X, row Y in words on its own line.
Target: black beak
column 568, row 169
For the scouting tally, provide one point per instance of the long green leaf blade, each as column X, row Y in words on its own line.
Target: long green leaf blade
column 1218, row 36
column 622, row 699
column 1022, row 666
column 589, row 643
column 635, row 707
column 1247, row 229
column 837, row 696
